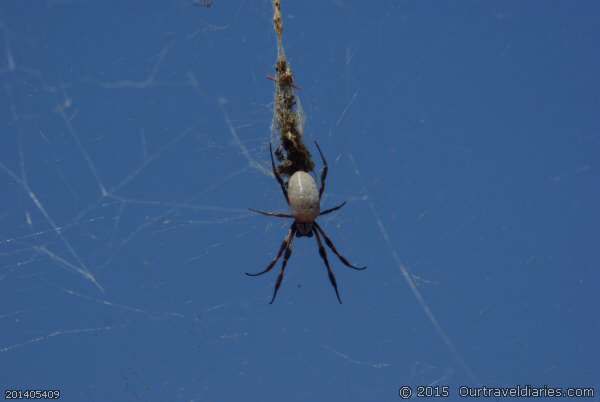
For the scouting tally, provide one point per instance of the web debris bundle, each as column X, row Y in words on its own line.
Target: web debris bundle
column 288, row 119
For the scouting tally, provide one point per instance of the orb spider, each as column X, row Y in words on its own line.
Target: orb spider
column 301, row 195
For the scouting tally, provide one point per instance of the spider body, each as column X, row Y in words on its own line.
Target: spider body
column 304, row 201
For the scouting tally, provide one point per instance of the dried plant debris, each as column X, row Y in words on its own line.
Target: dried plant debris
column 292, row 154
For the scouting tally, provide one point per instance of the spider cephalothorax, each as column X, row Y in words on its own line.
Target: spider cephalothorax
column 304, row 201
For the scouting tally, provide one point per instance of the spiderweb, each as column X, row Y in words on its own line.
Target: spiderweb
column 127, row 161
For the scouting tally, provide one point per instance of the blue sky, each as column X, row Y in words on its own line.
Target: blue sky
column 464, row 136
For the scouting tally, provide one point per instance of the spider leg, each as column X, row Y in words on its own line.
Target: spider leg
column 343, row 259
column 286, row 257
column 277, row 176
column 284, row 245
column 323, row 254
column 327, row 211
column 323, row 171
column 275, row 214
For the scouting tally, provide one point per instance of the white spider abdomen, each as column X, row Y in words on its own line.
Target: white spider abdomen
column 304, row 197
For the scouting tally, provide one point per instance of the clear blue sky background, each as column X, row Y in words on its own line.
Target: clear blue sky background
column 134, row 135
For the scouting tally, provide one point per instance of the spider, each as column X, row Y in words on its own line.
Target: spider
column 301, row 195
